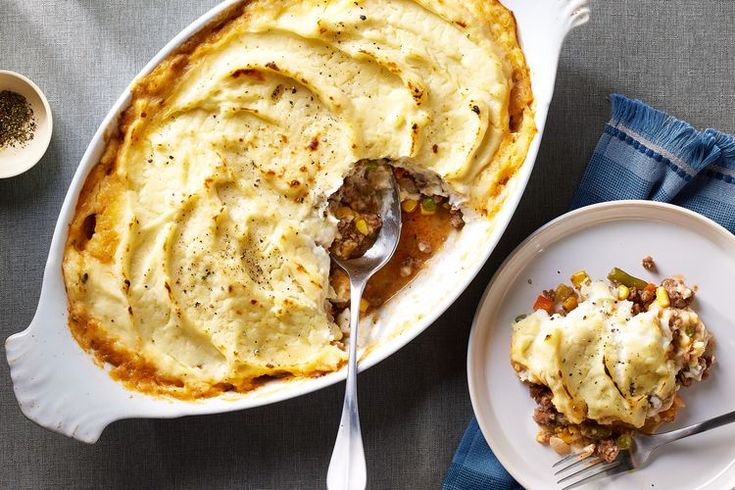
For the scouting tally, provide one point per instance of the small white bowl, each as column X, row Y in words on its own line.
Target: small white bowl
column 16, row 160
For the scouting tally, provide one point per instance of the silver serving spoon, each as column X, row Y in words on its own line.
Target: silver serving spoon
column 347, row 466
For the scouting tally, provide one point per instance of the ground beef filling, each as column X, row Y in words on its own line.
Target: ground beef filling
column 357, row 207
column 556, row 430
column 604, row 441
column 648, row 263
column 679, row 294
column 427, row 219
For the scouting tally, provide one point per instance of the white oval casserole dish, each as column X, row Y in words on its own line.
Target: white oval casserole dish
column 60, row 387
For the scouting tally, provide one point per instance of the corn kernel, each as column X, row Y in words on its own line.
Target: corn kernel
column 570, row 303
column 697, row 348
column 362, row 226
column 562, row 292
column 565, row 434
column 567, row 437
column 364, row 305
column 662, row 297
column 579, row 278
column 409, row 205
column 623, row 292
column 343, row 212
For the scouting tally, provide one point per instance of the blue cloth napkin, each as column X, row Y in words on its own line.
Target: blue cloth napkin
column 643, row 153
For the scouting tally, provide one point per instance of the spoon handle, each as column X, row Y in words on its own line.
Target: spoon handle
column 347, row 466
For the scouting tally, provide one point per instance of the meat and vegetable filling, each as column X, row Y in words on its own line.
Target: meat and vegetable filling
column 427, row 219
column 357, row 207
column 603, row 360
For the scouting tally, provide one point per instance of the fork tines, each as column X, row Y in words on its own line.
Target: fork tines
column 591, row 469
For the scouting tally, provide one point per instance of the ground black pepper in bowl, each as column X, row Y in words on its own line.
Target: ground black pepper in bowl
column 17, row 122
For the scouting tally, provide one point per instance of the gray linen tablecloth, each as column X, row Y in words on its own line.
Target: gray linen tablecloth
column 678, row 55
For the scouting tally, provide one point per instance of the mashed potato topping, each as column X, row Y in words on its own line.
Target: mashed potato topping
column 196, row 262
column 604, row 362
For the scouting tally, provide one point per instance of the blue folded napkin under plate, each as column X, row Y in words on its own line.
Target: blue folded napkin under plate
column 643, row 153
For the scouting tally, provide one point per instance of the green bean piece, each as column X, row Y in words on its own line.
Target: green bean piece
column 619, row 276
column 596, row 431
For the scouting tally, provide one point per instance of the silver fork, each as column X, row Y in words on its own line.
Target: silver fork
column 638, row 455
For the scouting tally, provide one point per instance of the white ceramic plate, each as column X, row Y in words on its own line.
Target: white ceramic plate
column 596, row 239
column 60, row 387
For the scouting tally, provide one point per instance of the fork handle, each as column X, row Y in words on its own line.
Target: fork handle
column 690, row 430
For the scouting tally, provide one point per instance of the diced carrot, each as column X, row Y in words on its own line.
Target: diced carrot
column 543, row 303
